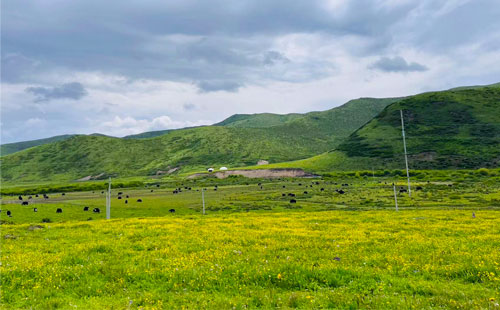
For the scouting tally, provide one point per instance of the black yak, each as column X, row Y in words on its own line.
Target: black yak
column 59, row 210
column 24, row 203
column 96, row 210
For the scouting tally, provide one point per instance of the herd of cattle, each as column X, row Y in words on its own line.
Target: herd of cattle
column 120, row 195
column 86, row 209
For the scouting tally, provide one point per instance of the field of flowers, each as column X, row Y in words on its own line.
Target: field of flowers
column 411, row 259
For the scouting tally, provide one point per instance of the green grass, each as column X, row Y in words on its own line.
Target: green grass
column 254, row 249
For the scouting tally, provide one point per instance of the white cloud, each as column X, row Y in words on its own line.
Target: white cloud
column 119, row 126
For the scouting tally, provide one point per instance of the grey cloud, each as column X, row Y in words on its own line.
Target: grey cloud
column 218, row 85
column 274, row 57
column 74, row 91
column 133, row 39
column 189, row 106
column 397, row 64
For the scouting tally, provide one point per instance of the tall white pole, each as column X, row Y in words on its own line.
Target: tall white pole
column 108, row 201
column 203, row 199
column 406, row 156
column 395, row 196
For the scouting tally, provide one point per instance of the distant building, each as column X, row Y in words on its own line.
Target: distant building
column 262, row 162
column 210, row 169
column 223, row 168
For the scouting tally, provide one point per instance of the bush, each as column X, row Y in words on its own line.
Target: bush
column 483, row 171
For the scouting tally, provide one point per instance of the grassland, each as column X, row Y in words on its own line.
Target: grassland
column 255, row 249
column 373, row 259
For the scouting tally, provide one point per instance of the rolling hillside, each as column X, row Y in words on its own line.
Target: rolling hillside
column 9, row 148
column 193, row 148
column 451, row 129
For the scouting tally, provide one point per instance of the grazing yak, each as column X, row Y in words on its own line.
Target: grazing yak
column 9, row 214
column 171, row 210
column 59, row 210
column 119, row 197
column 305, row 192
column 293, row 201
column 85, row 208
column 139, row 200
column 24, row 203
column 96, row 210
column 20, row 198
column 35, row 209
column 126, row 201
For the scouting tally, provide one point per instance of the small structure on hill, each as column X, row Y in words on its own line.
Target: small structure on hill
column 223, row 168
column 262, row 162
column 210, row 169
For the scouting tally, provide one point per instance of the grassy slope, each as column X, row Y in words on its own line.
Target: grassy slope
column 193, row 148
column 9, row 148
column 450, row 129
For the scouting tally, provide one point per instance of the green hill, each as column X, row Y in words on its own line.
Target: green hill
column 148, row 134
column 260, row 120
column 451, row 129
column 192, row 148
column 9, row 148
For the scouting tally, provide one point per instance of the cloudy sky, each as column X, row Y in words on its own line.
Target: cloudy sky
column 124, row 67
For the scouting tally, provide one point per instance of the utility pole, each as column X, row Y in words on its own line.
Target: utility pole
column 203, row 199
column 406, row 156
column 108, row 201
column 395, row 196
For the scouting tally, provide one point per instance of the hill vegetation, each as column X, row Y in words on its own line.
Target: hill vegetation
column 9, row 148
column 450, row 129
column 192, row 148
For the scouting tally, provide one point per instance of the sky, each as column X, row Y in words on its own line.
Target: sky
column 125, row 67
